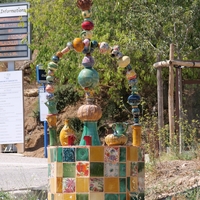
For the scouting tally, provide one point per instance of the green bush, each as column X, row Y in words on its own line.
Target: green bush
column 66, row 95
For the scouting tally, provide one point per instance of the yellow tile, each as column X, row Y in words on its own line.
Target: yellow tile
column 59, row 185
column 58, row 196
column 111, row 185
column 49, row 196
column 52, row 185
column 82, row 184
column 132, row 153
column 97, row 153
column 48, row 155
column 97, row 195
column 133, row 184
column 69, row 197
column 128, row 168
column 59, row 169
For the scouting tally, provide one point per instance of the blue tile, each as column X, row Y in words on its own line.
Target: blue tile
column 68, row 154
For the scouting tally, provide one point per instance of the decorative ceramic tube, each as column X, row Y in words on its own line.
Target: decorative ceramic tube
column 136, row 135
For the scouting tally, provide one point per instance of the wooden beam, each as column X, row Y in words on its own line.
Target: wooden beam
column 167, row 63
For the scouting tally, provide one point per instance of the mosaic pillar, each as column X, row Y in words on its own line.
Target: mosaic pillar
column 96, row 172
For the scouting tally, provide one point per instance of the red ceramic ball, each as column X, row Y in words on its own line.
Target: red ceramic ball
column 87, row 25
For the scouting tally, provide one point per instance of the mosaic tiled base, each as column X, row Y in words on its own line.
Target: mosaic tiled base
column 96, row 173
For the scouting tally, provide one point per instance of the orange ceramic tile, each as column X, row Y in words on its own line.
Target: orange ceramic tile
column 128, row 168
column 134, row 184
column 82, row 184
column 97, row 195
column 69, row 197
column 111, row 185
column 58, row 196
column 132, row 153
column 59, row 185
column 52, row 185
column 59, row 169
column 97, row 153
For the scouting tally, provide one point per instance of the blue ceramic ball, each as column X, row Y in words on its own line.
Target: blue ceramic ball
column 134, row 99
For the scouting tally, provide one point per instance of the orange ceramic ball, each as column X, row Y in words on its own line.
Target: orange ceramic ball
column 78, row 44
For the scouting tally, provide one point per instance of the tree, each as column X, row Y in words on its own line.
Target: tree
column 142, row 28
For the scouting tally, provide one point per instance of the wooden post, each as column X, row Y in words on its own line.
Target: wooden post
column 160, row 104
column 180, row 98
column 171, row 96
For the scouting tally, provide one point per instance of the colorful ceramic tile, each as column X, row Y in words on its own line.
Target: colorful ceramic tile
column 122, row 196
column 53, row 154
column 51, row 170
column 69, row 170
column 111, row 169
column 122, row 155
column 141, row 154
column 97, row 196
column 96, row 153
column 59, row 154
column 82, row 169
column 82, row 197
column 122, row 184
column 82, row 185
column 111, row 154
column 136, row 196
column 96, row 184
column 59, row 169
column 59, row 182
column 111, row 196
column 132, row 153
column 68, row 155
column 69, row 197
column 134, row 184
column 122, row 169
column 111, row 185
column 82, row 154
column 134, row 168
column 96, row 169
column 69, row 185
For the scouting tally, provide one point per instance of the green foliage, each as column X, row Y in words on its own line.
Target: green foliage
column 66, row 95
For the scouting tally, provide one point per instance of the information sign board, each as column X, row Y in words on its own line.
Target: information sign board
column 43, row 107
column 12, row 107
column 14, row 32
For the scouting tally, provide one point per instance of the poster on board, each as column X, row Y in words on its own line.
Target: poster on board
column 11, row 107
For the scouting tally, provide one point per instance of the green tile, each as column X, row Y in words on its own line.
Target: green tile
column 82, row 154
column 53, row 152
column 122, row 182
column 59, row 154
column 96, row 169
column 69, row 170
column 122, row 169
column 128, row 183
column 111, row 196
column 140, row 167
column 122, row 156
column 49, row 170
column 82, row 197
column 122, row 196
